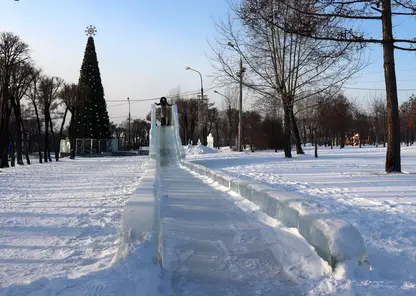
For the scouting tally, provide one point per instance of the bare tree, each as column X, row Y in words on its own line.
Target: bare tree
column 361, row 123
column 33, row 96
column 49, row 88
column 252, row 126
column 339, row 17
column 188, row 118
column 378, row 110
column 71, row 95
column 230, row 106
column 281, row 66
column 13, row 51
column 21, row 79
column 408, row 119
column 29, row 128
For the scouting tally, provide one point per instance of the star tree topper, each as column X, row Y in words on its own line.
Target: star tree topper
column 90, row 31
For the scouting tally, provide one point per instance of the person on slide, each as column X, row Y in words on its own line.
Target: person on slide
column 164, row 112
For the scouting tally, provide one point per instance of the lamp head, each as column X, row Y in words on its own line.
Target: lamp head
column 187, row 67
column 230, row 44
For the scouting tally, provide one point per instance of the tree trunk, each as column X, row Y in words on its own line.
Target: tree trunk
column 296, row 133
column 407, row 136
column 4, row 127
column 25, row 145
column 218, row 136
column 39, row 129
column 5, row 150
column 342, row 140
column 332, row 141
column 316, row 141
column 12, row 152
column 17, row 115
column 72, row 136
column 287, row 132
column 230, row 130
column 393, row 161
column 305, row 139
column 46, row 139
column 385, row 129
column 56, row 149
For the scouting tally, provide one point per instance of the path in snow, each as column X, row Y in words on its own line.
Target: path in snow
column 61, row 219
column 211, row 247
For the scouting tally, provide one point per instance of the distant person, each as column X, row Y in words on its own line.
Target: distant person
column 164, row 112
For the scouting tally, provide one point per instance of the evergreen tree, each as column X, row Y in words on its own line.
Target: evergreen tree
column 92, row 120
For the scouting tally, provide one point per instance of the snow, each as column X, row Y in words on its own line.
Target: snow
column 351, row 184
column 198, row 149
column 121, row 278
column 60, row 228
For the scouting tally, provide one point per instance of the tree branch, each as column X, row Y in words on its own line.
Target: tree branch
column 334, row 15
column 405, row 48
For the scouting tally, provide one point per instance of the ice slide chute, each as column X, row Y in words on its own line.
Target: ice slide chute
column 141, row 214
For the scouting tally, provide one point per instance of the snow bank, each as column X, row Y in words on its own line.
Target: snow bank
column 199, row 149
column 334, row 239
column 133, row 275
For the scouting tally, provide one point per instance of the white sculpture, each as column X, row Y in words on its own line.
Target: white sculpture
column 210, row 141
column 64, row 146
column 199, row 142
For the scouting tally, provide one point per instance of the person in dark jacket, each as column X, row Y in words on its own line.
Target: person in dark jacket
column 164, row 112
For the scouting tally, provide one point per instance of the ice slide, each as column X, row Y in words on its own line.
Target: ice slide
column 205, row 244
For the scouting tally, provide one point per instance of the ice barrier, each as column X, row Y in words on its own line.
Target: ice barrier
column 334, row 239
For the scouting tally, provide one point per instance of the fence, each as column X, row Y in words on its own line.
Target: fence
column 90, row 146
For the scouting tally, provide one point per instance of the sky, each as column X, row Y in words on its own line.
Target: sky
column 143, row 47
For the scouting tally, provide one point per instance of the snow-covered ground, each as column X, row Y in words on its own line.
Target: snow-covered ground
column 351, row 184
column 59, row 225
column 60, row 221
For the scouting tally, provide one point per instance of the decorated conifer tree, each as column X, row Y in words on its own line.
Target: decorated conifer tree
column 92, row 121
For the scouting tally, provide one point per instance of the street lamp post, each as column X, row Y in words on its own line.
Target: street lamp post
column 240, row 103
column 201, row 121
column 129, row 141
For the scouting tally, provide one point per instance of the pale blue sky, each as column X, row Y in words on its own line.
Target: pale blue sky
column 143, row 46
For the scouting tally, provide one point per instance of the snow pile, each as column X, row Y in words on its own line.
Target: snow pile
column 225, row 149
column 62, row 219
column 198, row 149
column 133, row 275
